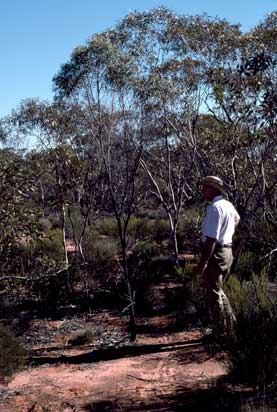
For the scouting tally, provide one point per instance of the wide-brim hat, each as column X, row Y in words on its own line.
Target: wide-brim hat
column 215, row 182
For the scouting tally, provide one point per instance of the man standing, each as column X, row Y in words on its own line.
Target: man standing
column 218, row 227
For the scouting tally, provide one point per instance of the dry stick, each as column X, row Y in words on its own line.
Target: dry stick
column 142, row 379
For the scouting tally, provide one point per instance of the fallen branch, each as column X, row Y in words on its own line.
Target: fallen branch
column 141, row 379
column 24, row 278
column 269, row 254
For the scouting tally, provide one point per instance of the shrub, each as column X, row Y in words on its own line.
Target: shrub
column 33, row 256
column 247, row 296
column 151, row 214
column 259, row 404
column 252, row 350
column 141, row 258
column 101, row 253
column 50, row 247
column 102, row 267
column 52, row 290
column 83, row 337
column 41, row 252
column 32, row 259
column 55, row 221
column 141, row 267
column 248, row 263
column 107, row 227
column 44, row 225
column 12, row 354
column 161, row 230
column 252, row 346
column 188, row 229
column 194, row 294
column 140, row 228
column 42, row 256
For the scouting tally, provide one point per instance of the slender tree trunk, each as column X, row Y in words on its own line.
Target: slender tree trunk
column 78, row 241
column 131, row 294
column 175, row 244
column 80, row 248
column 42, row 198
column 63, row 216
column 132, row 318
column 67, row 280
column 173, row 228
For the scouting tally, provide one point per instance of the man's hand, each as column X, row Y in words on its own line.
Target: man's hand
column 208, row 250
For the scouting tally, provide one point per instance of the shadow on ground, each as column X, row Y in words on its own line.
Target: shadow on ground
column 193, row 348
column 214, row 399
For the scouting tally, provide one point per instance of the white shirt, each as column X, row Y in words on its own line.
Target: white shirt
column 220, row 221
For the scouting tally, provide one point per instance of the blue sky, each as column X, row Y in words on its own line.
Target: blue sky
column 37, row 36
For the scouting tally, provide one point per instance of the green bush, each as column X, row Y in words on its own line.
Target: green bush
column 262, row 403
column 161, row 230
column 44, row 225
column 248, row 263
column 34, row 258
column 251, row 347
column 84, row 337
column 188, row 229
column 12, row 354
column 101, row 252
column 140, row 260
column 151, row 214
column 51, row 246
column 194, row 294
column 141, row 267
column 102, row 263
column 107, row 227
column 246, row 296
column 42, row 252
column 55, row 221
column 239, row 294
column 52, row 290
column 140, row 228
column 261, row 243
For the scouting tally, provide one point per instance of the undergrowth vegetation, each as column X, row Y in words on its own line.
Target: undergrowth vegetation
column 251, row 347
column 12, row 354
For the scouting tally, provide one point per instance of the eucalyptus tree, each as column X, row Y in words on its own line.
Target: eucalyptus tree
column 243, row 105
column 160, row 87
column 49, row 126
column 67, row 176
column 192, row 70
column 18, row 215
column 174, row 56
column 160, row 63
column 97, row 79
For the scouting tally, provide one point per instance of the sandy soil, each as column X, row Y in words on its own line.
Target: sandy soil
column 160, row 372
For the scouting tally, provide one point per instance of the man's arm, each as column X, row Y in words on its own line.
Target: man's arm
column 208, row 249
column 236, row 218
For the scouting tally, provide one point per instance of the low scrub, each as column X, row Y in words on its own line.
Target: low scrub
column 188, row 229
column 251, row 347
column 140, row 228
column 107, row 227
column 194, row 296
column 12, row 354
column 142, row 269
column 161, row 230
column 101, row 254
column 248, row 260
column 83, row 337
